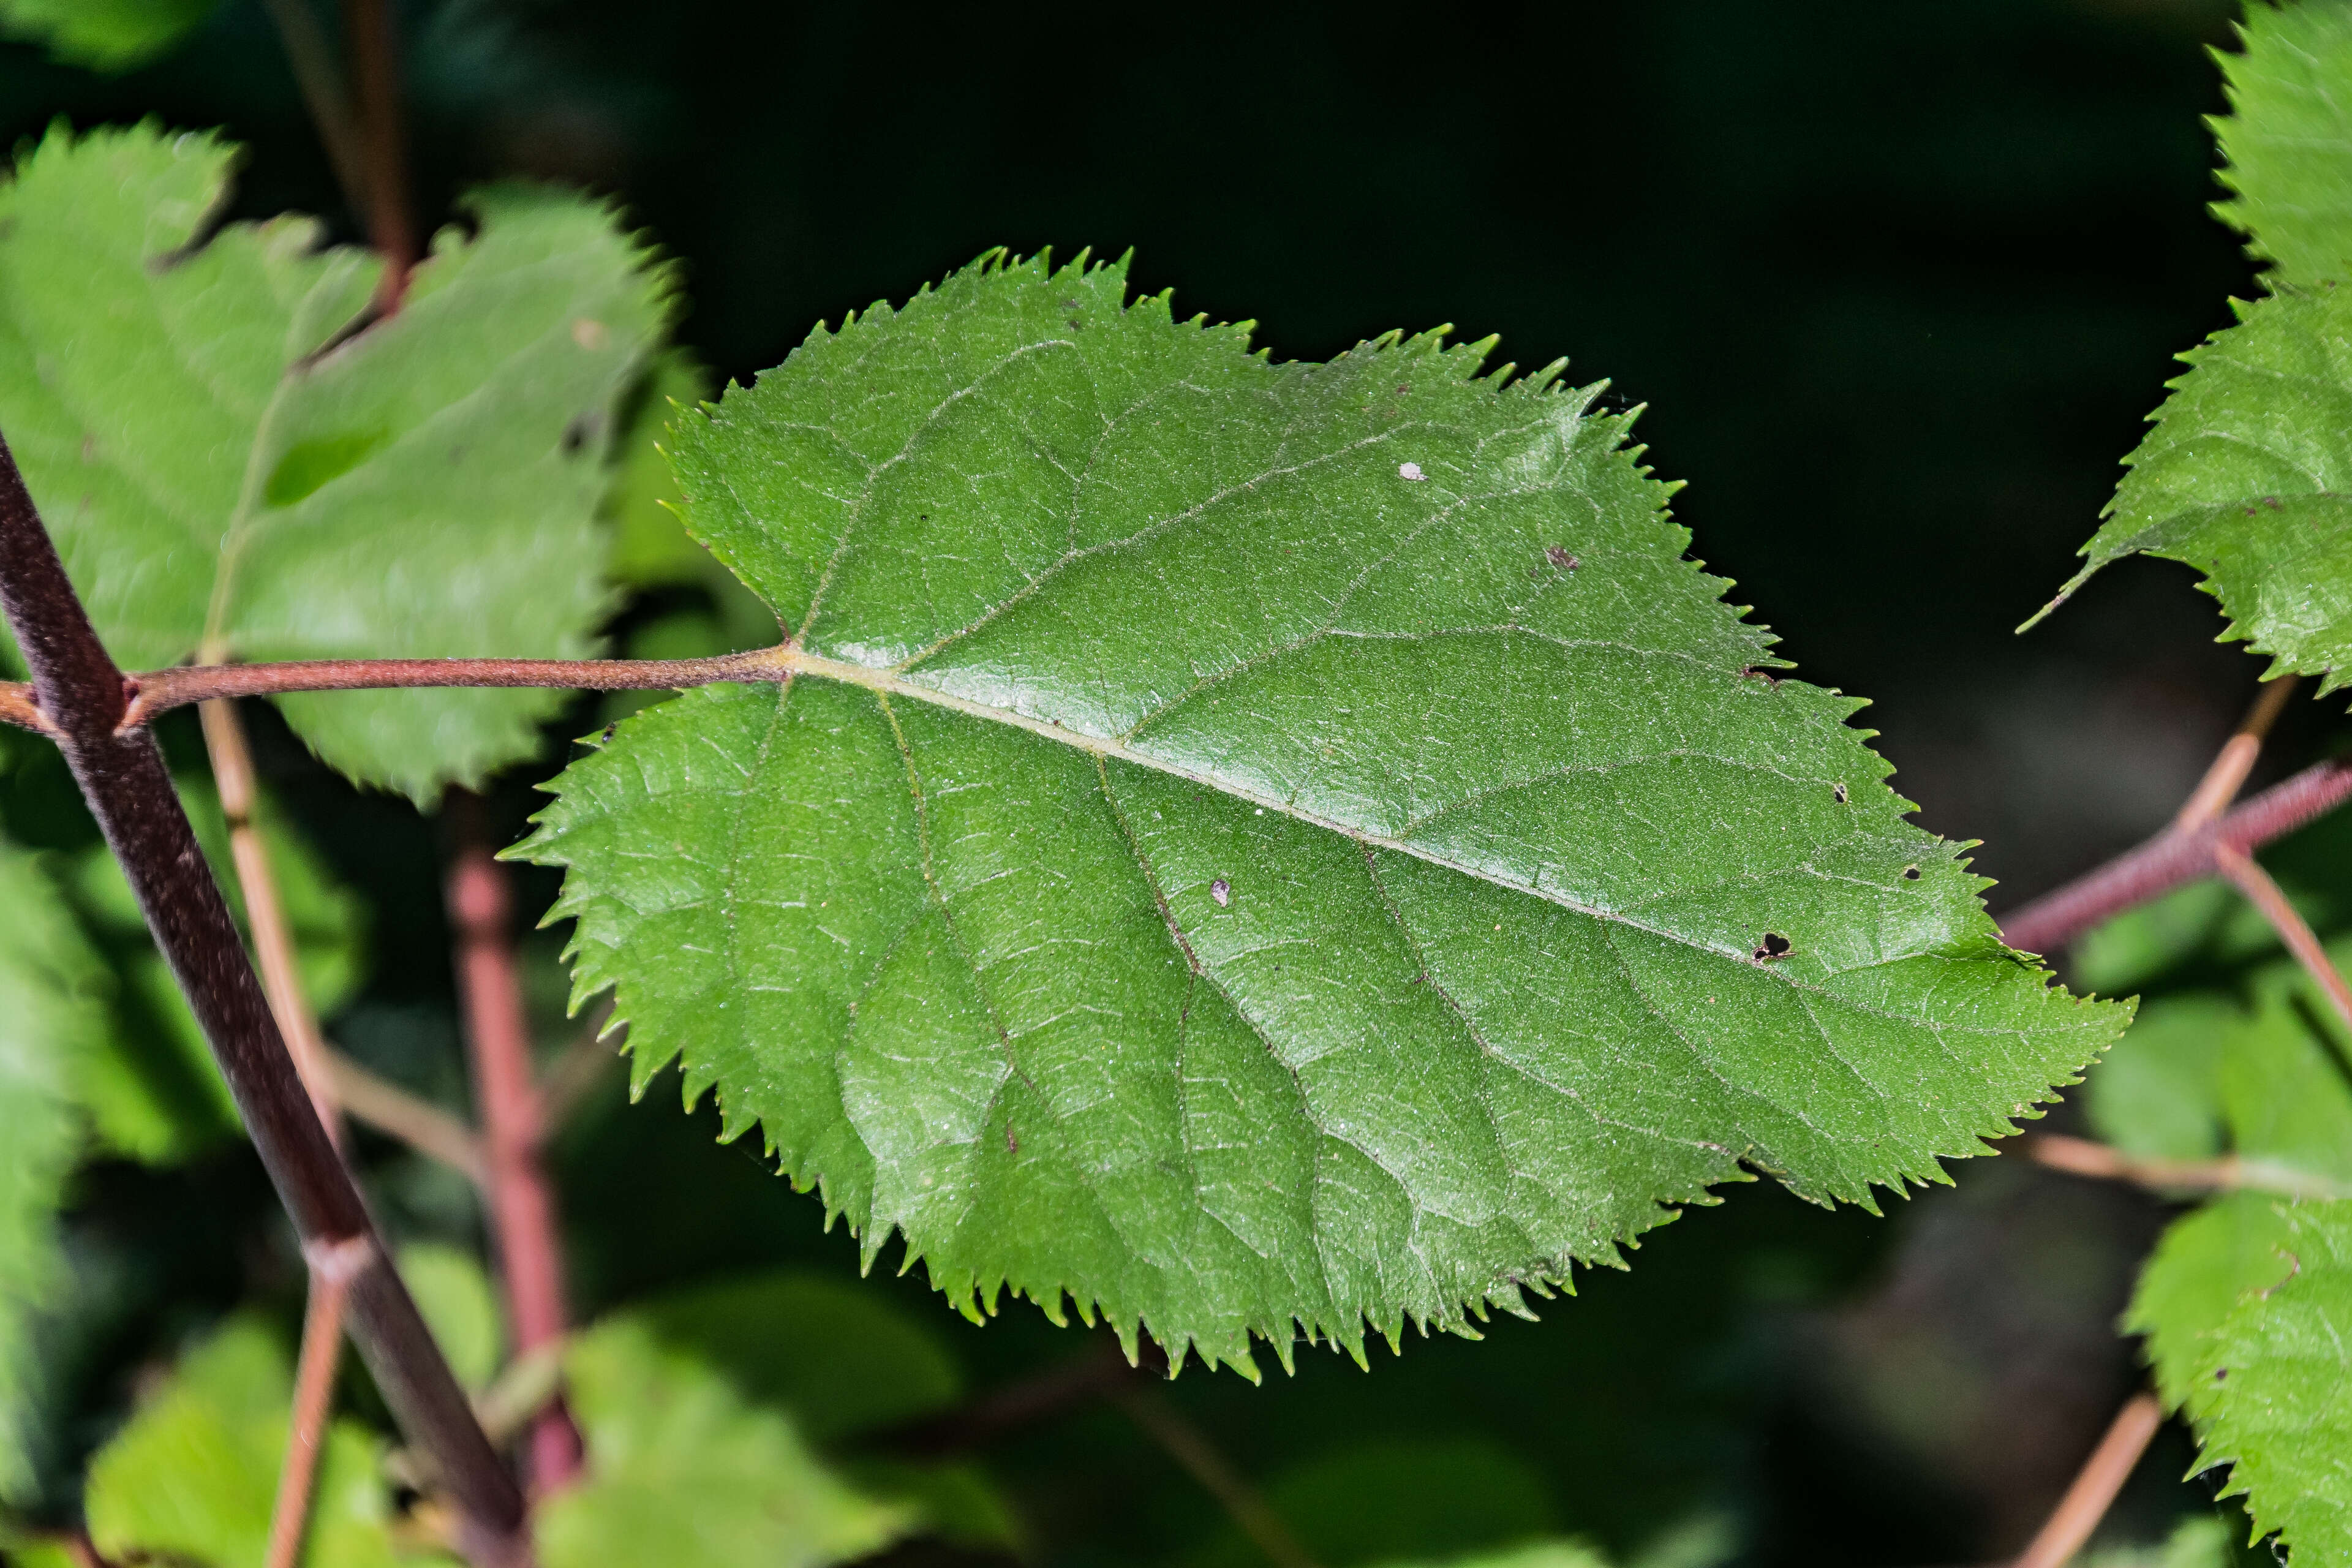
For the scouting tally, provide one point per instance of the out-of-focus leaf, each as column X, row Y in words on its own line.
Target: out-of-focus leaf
column 1419, row 1498
column 151, row 1088
column 2158, row 1092
column 651, row 548
column 1258, row 847
column 459, row 1306
column 105, row 35
column 2285, row 138
column 2194, row 1542
column 227, row 474
column 1529, row 1554
column 684, row 1472
column 193, row 1476
column 51, row 1019
column 837, row 1358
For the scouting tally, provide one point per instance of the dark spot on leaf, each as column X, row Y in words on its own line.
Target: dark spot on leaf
column 1223, row 891
column 1838, row 792
column 1560, row 558
column 2272, row 502
column 1766, row 676
column 1011, row 1145
column 1910, row 873
column 576, row 435
column 608, row 732
column 1773, row 946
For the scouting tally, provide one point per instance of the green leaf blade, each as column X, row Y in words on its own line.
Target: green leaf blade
column 2285, row 139
column 232, row 472
column 105, row 35
column 1258, row 846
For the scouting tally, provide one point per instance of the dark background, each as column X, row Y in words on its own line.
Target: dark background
column 1898, row 284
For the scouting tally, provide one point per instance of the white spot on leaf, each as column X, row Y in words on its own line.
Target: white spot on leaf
column 1410, row 471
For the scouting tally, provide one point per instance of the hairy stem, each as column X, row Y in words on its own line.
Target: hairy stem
column 129, row 790
column 313, row 62
column 522, row 1200
column 159, row 691
column 2049, row 923
column 2096, row 1484
column 281, row 983
column 2250, row 880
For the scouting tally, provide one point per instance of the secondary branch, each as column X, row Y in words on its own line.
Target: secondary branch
column 122, row 777
column 2049, row 923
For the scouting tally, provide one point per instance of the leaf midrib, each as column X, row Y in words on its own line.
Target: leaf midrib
column 790, row 662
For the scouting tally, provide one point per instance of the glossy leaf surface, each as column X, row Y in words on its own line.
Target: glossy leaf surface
column 230, row 472
column 1263, row 847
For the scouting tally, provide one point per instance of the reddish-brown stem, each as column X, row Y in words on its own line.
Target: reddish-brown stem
column 2226, row 773
column 281, row 982
column 158, row 692
column 375, row 67
column 129, row 790
column 1198, row 1458
column 2048, row 924
column 522, row 1200
column 2080, row 1157
column 2096, row 1484
column 306, row 1437
column 2250, row 880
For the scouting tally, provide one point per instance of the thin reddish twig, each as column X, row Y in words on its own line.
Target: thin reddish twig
column 18, row 708
column 2227, row 773
column 1199, row 1457
column 160, row 690
column 322, row 91
column 306, row 1436
column 419, row 1123
column 522, row 1200
column 2250, row 880
column 2048, row 924
column 2096, row 1484
column 2081, row 1157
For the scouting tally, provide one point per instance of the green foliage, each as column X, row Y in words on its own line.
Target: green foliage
column 2276, row 1401
column 459, row 1306
column 51, row 1018
column 230, row 473
column 105, row 35
column 2244, row 477
column 2285, row 139
column 1277, row 843
column 2247, row 1302
column 685, row 1471
column 2158, row 1092
column 193, row 1476
column 1532, row 1554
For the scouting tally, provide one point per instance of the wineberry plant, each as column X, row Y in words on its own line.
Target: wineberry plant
column 1270, row 858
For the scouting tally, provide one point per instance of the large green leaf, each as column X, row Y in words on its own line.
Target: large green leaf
column 51, row 1019
column 106, row 35
column 684, row 1470
column 227, row 475
column 1257, row 847
column 191, row 1477
column 2287, row 141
